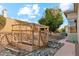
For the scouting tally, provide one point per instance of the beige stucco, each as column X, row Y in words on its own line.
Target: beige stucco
column 72, row 16
column 8, row 26
column 78, row 24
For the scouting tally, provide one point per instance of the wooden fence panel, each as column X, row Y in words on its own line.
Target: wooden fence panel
column 24, row 39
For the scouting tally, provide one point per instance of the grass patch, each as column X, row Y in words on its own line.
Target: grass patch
column 73, row 38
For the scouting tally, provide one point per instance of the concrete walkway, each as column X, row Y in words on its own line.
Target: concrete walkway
column 67, row 50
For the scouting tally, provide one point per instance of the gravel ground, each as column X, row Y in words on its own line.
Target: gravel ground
column 7, row 53
column 49, row 51
column 43, row 52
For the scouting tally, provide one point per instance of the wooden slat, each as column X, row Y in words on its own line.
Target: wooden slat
column 22, row 30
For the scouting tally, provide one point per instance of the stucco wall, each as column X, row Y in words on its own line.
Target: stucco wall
column 8, row 26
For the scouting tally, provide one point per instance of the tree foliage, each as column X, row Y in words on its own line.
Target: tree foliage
column 2, row 22
column 52, row 18
column 62, row 30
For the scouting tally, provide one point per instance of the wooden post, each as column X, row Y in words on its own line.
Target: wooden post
column 12, row 33
column 39, row 38
column 33, row 37
column 47, row 33
column 20, row 34
column 26, row 32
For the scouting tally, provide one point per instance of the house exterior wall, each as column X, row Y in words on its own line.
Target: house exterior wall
column 71, row 16
column 78, row 23
column 72, row 29
column 72, row 24
column 8, row 26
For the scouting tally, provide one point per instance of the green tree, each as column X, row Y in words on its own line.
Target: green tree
column 52, row 18
column 2, row 22
column 62, row 30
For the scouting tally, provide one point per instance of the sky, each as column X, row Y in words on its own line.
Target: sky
column 32, row 12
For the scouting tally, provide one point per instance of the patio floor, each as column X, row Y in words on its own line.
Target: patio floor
column 67, row 50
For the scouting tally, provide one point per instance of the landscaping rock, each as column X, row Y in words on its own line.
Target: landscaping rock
column 54, row 44
column 6, row 53
column 43, row 52
column 49, row 51
column 52, row 48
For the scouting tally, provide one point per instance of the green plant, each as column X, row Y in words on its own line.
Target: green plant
column 73, row 38
column 2, row 22
column 53, row 18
